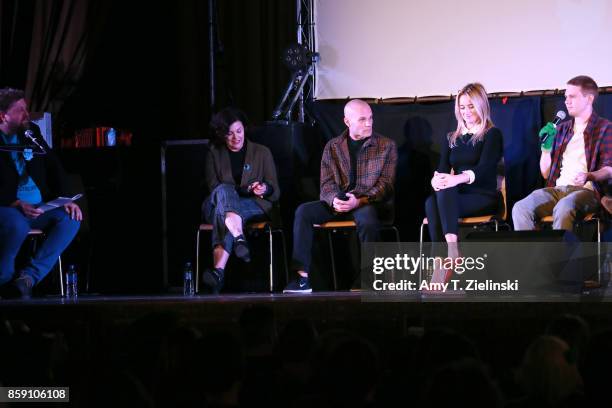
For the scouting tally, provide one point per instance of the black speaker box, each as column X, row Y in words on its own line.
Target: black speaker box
column 542, row 261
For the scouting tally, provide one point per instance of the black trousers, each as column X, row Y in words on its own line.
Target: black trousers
column 369, row 218
column 445, row 207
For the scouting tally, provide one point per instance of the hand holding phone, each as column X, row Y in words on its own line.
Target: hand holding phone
column 342, row 196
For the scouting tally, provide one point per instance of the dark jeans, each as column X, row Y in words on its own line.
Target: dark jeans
column 59, row 229
column 368, row 219
column 606, row 235
column 445, row 207
column 222, row 200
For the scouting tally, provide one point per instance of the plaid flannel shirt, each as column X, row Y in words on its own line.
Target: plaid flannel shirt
column 597, row 148
column 375, row 176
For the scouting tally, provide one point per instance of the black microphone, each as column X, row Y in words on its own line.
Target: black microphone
column 559, row 117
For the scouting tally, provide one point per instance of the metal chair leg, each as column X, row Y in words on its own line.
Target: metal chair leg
column 598, row 251
column 333, row 260
column 397, row 236
column 197, row 282
column 271, row 260
column 61, row 274
column 421, row 252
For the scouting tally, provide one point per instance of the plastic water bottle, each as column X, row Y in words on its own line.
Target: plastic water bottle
column 72, row 289
column 188, row 286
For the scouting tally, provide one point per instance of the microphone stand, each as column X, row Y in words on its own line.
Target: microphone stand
column 30, row 135
column 282, row 112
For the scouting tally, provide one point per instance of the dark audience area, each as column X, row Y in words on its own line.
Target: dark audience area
column 258, row 359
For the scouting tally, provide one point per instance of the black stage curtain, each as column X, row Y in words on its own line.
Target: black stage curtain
column 254, row 34
column 45, row 47
column 15, row 37
column 151, row 70
column 144, row 66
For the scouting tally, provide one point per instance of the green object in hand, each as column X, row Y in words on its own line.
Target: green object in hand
column 547, row 136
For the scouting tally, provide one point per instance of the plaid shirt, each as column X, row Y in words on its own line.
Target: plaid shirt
column 597, row 147
column 375, row 169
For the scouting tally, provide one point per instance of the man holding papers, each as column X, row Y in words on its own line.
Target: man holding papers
column 30, row 174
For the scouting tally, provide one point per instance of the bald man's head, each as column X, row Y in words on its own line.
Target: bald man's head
column 358, row 119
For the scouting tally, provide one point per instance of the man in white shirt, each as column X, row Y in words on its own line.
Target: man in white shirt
column 571, row 150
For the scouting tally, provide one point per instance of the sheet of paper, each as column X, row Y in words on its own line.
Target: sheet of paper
column 58, row 202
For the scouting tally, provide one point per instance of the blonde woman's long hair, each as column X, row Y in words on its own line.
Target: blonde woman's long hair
column 478, row 95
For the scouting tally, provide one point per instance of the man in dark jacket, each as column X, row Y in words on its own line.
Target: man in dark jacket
column 357, row 182
column 29, row 176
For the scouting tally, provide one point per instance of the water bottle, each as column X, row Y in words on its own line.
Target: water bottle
column 72, row 289
column 188, row 286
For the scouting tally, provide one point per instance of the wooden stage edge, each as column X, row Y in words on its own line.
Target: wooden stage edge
column 318, row 307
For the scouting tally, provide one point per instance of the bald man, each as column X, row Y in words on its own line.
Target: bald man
column 357, row 177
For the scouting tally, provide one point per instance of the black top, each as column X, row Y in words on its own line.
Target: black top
column 482, row 158
column 237, row 161
column 354, row 146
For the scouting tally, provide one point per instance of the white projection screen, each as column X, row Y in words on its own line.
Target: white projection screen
column 407, row 48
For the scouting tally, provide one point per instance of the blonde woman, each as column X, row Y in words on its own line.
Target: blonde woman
column 465, row 183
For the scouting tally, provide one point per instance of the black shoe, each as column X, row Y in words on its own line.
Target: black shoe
column 214, row 279
column 24, row 285
column 300, row 285
column 241, row 248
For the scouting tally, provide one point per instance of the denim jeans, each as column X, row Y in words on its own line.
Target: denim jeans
column 222, row 200
column 59, row 229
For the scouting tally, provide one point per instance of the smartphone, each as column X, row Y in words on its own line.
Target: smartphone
column 342, row 196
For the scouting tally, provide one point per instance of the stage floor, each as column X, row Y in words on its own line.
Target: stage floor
column 318, row 306
column 352, row 296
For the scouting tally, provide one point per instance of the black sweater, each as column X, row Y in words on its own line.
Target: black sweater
column 482, row 158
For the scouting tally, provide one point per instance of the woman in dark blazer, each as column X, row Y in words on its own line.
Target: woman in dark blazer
column 241, row 178
column 465, row 183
